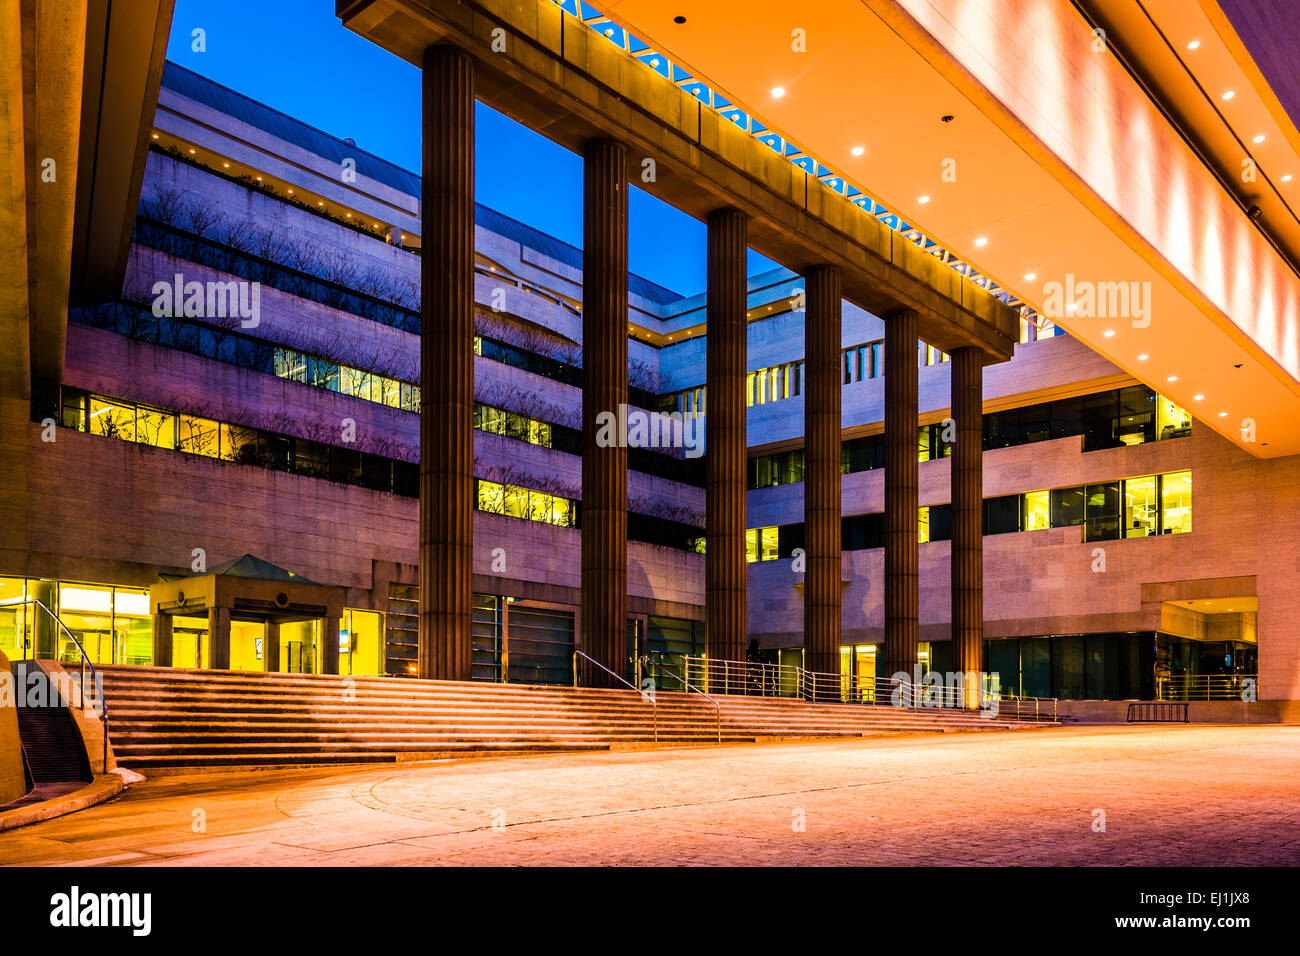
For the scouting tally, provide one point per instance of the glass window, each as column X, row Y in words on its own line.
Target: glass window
column 491, row 497
column 239, row 444
column 74, row 409
column 1101, row 511
column 923, row 524
column 1176, row 502
column 132, row 626
column 112, row 419
column 155, row 427
column 1099, row 421
column 198, row 436
column 1172, row 421
column 1141, row 514
column 515, row 501
column 1002, row 515
column 87, row 612
column 390, row 391
column 1038, row 510
column 1137, row 418
column 291, row 365
column 1067, row 507
column 323, row 374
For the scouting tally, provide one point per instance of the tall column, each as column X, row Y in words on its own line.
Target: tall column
column 604, row 360
column 329, row 661
column 901, row 599
column 271, row 647
column 821, row 475
column 219, row 638
column 725, row 462
column 162, row 639
column 968, row 518
column 447, row 365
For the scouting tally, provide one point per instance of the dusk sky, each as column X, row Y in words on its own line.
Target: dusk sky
column 296, row 57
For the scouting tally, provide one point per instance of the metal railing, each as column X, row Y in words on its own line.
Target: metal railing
column 101, row 704
column 1208, row 687
column 648, row 698
column 756, row 679
column 647, row 661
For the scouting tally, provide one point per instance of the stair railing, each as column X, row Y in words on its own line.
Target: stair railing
column 654, row 705
column 689, row 687
column 86, row 662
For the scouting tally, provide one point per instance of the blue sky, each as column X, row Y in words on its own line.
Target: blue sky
column 295, row 56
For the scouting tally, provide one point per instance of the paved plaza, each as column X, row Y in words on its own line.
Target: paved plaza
column 1189, row 795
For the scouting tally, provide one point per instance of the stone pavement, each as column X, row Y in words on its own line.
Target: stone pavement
column 1191, row 795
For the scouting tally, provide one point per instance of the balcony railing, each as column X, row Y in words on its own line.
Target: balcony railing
column 1208, row 687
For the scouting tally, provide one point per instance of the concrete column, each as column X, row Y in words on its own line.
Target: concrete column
column 162, row 640
column 219, row 638
column 824, row 287
column 604, row 359
column 901, row 598
column 726, row 460
column 968, row 517
column 329, row 661
column 446, row 365
column 271, row 647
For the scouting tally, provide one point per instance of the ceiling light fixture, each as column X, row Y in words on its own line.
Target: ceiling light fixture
column 1286, row 178
column 1258, row 139
column 981, row 241
column 1229, row 95
column 778, row 91
column 1109, row 333
column 1194, row 44
column 1198, row 397
column 1143, row 357
column 1030, row 276
column 923, row 199
column 857, row 150
column 1223, row 414
column 1172, row 378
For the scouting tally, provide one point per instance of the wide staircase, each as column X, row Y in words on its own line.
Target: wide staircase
column 172, row 718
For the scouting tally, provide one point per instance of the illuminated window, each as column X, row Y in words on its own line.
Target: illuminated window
column 1141, row 512
column 923, row 524
column 155, row 427
column 1172, row 421
column 198, row 436
column 491, row 497
column 761, row 544
column 112, row 419
column 1038, row 510
column 1176, row 502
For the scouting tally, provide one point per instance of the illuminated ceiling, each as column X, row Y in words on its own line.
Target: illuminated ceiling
column 1058, row 165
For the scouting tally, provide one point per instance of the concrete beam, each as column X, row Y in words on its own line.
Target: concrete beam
column 561, row 79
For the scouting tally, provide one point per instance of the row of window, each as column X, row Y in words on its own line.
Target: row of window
column 1113, row 419
column 196, row 435
column 1108, row 510
column 777, row 382
column 253, row 354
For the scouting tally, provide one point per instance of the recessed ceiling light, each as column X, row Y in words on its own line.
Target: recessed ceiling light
column 226, row 165
column 981, row 241
column 1258, row 139
column 1070, row 307
column 1030, row 276
column 778, row 91
column 155, row 135
column 1229, row 95
column 1223, row 414
column 857, row 150
column 1143, row 357
column 1194, row 44
column 923, row 199
column 1198, row 397
column 1286, row 178
column 1172, row 378
column 1109, row 333
column 191, row 152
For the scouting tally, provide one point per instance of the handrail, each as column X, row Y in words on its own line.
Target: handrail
column 820, row 685
column 1203, row 686
column 654, row 705
column 646, row 659
column 85, row 662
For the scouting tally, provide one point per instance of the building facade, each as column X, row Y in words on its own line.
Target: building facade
column 254, row 390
